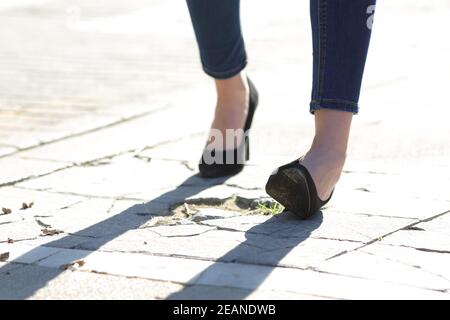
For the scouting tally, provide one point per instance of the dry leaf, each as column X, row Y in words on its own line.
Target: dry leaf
column 26, row 205
column 73, row 265
column 10, row 240
column 6, row 210
column 51, row 232
column 4, row 256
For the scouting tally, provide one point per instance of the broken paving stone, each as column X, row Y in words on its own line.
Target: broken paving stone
column 213, row 213
column 200, row 209
column 73, row 265
column 6, row 210
column 26, row 205
column 235, row 203
column 4, row 257
column 188, row 210
column 51, row 232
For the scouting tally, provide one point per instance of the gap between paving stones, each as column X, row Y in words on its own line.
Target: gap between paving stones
column 109, row 125
column 389, row 259
column 90, row 163
column 389, row 234
column 409, row 265
column 383, row 281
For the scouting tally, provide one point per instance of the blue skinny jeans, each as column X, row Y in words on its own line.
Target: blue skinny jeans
column 341, row 32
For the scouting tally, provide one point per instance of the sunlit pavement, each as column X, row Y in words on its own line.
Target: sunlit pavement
column 104, row 111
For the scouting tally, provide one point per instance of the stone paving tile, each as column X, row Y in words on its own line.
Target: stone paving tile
column 6, row 267
column 97, row 218
column 432, row 235
column 135, row 134
column 129, row 264
column 197, row 292
column 186, row 149
column 15, row 169
column 433, row 263
column 119, row 177
column 329, row 225
column 19, row 253
column 309, row 282
column 88, row 218
column 22, row 282
column 385, row 204
column 83, row 285
column 417, row 183
column 4, row 150
column 18, row 231
column 399, row 265
column 63, row 241
column 42, row 203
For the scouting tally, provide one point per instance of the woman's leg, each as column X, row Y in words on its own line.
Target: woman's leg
column 341, row 34
column 222, row 51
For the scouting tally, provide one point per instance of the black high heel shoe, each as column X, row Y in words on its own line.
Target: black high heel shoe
column 293, row 187
column 239, row 155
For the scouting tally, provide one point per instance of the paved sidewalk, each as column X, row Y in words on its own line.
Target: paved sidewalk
column 104, row 112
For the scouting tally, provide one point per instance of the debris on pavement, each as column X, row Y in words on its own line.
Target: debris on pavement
column 51, row 232
column 6, row 210
column 4, row 256
column 73, row 265
column 26, row 205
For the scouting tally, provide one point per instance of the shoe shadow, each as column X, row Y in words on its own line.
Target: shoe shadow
column 236, row 274
column 27, row 280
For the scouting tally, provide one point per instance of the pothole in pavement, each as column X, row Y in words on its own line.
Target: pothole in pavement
column 200, row 209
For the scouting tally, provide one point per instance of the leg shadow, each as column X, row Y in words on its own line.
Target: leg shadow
column 265, row 245
column 28, row 279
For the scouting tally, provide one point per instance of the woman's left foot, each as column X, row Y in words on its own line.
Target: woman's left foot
column 325, row 168
column 305, row 185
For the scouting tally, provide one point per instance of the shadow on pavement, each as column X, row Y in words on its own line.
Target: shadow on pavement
column 118, row 224
column 268, row 256
column 28, row 280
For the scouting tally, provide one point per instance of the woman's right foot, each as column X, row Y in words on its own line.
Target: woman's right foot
column 236, row 102
column 232, row 104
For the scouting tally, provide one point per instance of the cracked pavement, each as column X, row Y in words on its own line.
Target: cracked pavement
column 98, row 154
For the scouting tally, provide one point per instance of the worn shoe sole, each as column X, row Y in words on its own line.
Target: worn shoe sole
column 292, row 194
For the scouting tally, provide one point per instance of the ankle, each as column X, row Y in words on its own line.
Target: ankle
column 327, row 156
column 232, row 91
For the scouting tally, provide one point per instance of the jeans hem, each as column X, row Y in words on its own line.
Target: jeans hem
column 225, row 74
column 334, row 104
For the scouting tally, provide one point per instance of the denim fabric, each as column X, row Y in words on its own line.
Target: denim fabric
column 341, row 31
